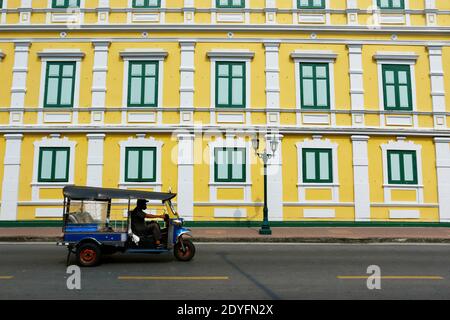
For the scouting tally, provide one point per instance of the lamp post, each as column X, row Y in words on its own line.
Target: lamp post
column 265, row 156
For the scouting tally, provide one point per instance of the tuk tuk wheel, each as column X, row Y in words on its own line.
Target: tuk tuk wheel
column 186, row 254
column 88, row 255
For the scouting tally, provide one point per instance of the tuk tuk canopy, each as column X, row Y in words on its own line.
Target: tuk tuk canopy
column 93, row 193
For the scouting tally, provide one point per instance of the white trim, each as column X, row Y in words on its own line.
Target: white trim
column 146, row 15
column 386, row 18
column 4, row 7
column 361, row 184
column 185, row 200
column 53, row 141
column 404, row 214
column 272, row 51
column 442, row 146
column 72, row 17
column 437, row 85
column 401, row 144
column 230, row 15
column 318, row 143
column 302, row 16
column 95, row 159
column 19, row 82
column 99, row 76
column 356, row 83
column 187, row 80
column 275, row 179
column 49, row 213
column 141, row 141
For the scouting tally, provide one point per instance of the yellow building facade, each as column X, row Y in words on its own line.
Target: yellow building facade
column 169, row 94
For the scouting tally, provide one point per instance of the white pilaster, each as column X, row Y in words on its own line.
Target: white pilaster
column 95, row 160
column 187, row 71
column 103, row 11
column 352, row 12
column 443, row 177
column 271, row 11
column 25, row 12
column 189, row 11
column 356, row 84
column 431, row 12
column 437, row 86
column 361, row 178
column 185, row 198
column 272, row 82
column 19, row 81
column 275, row 180
column 100, row 71
column 11, row 177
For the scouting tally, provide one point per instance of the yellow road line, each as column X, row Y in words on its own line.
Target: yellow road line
column 6, row 277
column 170, row 278
column 392, row 277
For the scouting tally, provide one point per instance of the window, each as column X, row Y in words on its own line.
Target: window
column 146, row 3
column 311, row 4
column 140, row 164
column 230, row 84
column 230, row 3
column 60, row 84
column 391, row 4
column 229, row 165
column 317, row 166
column 53, row 164
column 66, row 4
column 143, row 84
column 315, row 85
column 402, row 167
column 397, row 87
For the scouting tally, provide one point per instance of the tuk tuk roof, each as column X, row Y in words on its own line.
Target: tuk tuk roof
column 93, row 193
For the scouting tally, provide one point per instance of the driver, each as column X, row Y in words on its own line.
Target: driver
column 138, row 222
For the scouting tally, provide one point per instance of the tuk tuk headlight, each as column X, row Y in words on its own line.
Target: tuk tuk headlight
column 178, row 222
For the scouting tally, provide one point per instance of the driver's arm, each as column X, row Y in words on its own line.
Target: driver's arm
column 154, row 216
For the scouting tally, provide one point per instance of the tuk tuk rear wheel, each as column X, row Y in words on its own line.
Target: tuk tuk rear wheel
column 88, row 255
column 187, row 254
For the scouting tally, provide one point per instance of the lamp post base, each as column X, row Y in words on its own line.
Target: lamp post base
column 265, row 230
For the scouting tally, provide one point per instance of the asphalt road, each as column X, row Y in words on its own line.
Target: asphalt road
column 233, row 271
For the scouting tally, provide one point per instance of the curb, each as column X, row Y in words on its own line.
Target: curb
column 265, row 240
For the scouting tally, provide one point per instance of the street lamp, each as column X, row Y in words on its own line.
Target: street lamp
column 265, row 228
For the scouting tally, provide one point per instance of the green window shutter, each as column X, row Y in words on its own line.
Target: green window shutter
column 402, row 167
column 317, row 165
column 53, row 164
column 60, row 84
column 397, row 89
column 140, row 164
column 230, row 85
column 230, row 165
column 230, row 3
column 65, row 4
column 146, row 3
column 391, row 4
column 311, row 4
column 143, row 84
column 315, row 85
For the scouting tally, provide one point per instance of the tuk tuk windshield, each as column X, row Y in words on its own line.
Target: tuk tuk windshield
column 171, row 209
column 88, row 212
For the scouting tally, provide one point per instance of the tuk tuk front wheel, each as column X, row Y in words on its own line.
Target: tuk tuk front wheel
column 88, row 255
column 186, row 253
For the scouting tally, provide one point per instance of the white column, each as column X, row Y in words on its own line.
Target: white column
column 11, row 177
column 352, row 12
column 189, row 11
column 437, row 86
column 100, row 70
column 361, row 177
column 19, row 81
column 103, row 11
column 443, row 177
column 275, row 180
column 95, row 160
column 25, row 12
column 431, row 12
column 271, row 11
column 272, row 82
column 356, row 84
column 185, row 197
column 187, row 71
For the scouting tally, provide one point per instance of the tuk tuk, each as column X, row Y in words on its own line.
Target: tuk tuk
column 89, row 233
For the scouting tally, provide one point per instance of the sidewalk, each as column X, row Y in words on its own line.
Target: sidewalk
column 279, row 234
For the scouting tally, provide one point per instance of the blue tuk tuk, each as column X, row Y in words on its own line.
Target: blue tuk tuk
column 89, row 233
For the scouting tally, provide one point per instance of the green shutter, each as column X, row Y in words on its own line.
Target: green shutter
column 391, row 4
column 311, row 4
column 230, row 165
column 143, row 84
column 317, row 165
column 315, row 85
column 54, row 164
column 397, row 89
column 230, row 85
column 402, row 167
column 230, row 3
column 65, row 4
column 146, row 3
column 140, row 164
column 60, row 84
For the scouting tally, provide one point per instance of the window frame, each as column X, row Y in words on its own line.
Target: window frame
column 317, row 152
column 230, row 151
column 396, row 68
column 390, row 7
column 314, row 78
column 143, row 63
column 310, row 5
column 60, row 77
column 140, row 150
column 230, row 5
column 66, row 4
column 146, row 5
column 54, row 151
column 401, row 154
column 230, row 81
